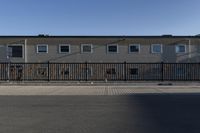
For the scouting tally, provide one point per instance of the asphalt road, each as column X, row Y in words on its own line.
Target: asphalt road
column 143, row 113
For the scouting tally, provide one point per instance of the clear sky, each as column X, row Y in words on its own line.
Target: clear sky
column 99, row 17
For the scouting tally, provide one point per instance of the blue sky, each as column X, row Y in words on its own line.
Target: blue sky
column 99, row 17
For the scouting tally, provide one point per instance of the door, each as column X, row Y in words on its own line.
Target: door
column 16, row 72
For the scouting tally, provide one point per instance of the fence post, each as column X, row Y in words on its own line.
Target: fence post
column 125, row 78
column 24, row 71
column 162, row 69
column 86, row 68
column 9, row 71
column 194, row 75
column 48, row 71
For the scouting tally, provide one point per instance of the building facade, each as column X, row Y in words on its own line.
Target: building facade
column 100, row 49
column 85, row 58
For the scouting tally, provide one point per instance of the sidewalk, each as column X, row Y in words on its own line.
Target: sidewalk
column 95, row 90
column 100, row 83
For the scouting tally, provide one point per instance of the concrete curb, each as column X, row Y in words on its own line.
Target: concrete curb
column 91, row 83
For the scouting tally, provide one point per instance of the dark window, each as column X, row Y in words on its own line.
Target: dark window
column 12, row 68
column 156, row 48
column 180, row 49
column 87, row 48
column 42, row 71
column 65, row 72
column 134, row 48
column 15, row 51
column 42, row 49
column 133, row 71
column 111, row 71
column 64, row 49
column 112, row 49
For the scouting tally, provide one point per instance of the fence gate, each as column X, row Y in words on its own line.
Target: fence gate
column 15, row 72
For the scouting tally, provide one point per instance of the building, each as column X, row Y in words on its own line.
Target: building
column 107, row 49
column 46, row 57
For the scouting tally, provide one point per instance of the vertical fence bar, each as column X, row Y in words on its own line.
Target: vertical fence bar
column 125, row 78
column 86, row 71
column 198, row 73
column 24, row 71
column 162, row 69
column 48, row 71
column 9, row 71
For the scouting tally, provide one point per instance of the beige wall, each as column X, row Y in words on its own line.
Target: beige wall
column 100, row 50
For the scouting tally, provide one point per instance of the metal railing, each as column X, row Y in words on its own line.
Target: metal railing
column 100, row 71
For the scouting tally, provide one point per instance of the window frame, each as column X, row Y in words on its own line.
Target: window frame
column 15, row 45
column 178, row 46
column 59, row 49
column 161, row 48
column 82, row 45
column 129, row 49
column 47, row 49
column 112, row 52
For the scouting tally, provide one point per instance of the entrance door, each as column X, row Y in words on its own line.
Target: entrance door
column 16, row 72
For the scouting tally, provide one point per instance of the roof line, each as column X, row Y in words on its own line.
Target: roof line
column 95, row 36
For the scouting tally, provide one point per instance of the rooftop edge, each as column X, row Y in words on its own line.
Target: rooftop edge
column 95, row 36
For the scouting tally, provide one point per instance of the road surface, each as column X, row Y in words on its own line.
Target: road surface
column 139, row 113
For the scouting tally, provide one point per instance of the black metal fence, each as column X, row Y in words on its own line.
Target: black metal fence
column 99, row 71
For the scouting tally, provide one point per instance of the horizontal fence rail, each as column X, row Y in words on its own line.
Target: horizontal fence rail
column 99, row 71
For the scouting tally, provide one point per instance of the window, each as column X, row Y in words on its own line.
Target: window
column 64, row 48
column 16, row 68
column 112, row 48
column 133, row 71
column 156, row 48
column 42, row 48
column 111, row 71
column 64, row 71
column 15, row 51
column 134, row 48
column 16, row 71
column 180, row 48
column 42, row 71
column 86, row 48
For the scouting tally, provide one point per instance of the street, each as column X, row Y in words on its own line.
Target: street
column 139, row 113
